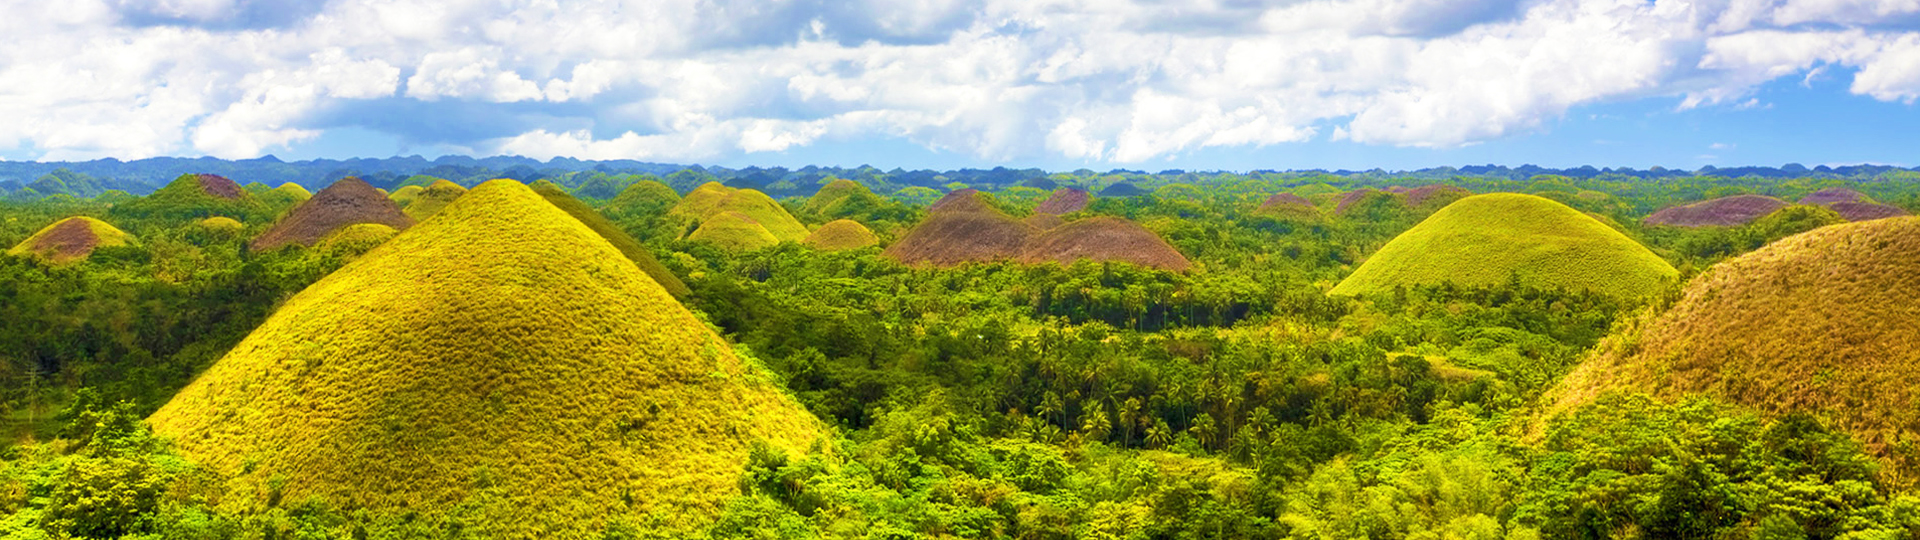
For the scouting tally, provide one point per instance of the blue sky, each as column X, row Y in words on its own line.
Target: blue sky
column 1055, row 84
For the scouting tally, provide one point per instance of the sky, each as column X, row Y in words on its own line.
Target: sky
column 1055, row 84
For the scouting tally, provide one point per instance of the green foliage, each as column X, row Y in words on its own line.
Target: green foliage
column 186, row 199
column 1490, row 239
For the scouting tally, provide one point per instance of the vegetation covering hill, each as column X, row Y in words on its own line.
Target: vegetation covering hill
column 1487, row 240
column 1064, row 201
column 348, row 201
column 1721, row 212
column 70, row 240
column 501, row 363
column 1122, row 189
column 1434, row 194
column 834, row 193
column 842, row 234
column 1353, row 201
column 221, row 223
column 432, row 199
column 1104, row 238
column 626, row 243
column 643, row 197
column 1866, row 211
column 356, row 239
column 964, row 200
column 195, row 196
column 712, row 200
column 295, row 191
column 1289, row 206
column 1833, row 195
column 734, row 231
column 1820, row 323
column 950, row 238
column 405, row 195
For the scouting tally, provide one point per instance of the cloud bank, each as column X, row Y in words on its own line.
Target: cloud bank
column 1102, row 80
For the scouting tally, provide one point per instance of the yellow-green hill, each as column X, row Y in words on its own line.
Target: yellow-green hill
column 713, row 199
column 1822, row 322
column 294, row 191
column 221, row 223
column 626, row 243
column 841, row 234
column 500, row 361
column 70, row 240
column 838, row 198
column 433, row 198
column 196, row 196
column 645, row 197
column 355, row 239
column 734, row 231
column 406, row 194
column 1485, row 239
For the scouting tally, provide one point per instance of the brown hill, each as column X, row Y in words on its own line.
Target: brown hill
column 1044, row 221
column 1437, row 193
column 219, row 186
column 1104, row 238
column 963, row 200
column 1822, row 322
column 1354, row 199
column 1064, row 201
column 842, row 234
column 1865, row 211
column 954, row 237
column 1721, row 212
column 1834, row 195
column 1285, row 199
column 346, row 202
column 70, row 240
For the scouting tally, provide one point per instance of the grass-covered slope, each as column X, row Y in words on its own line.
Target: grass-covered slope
column 1104, row 238
column 197, row 196
column 1866, row 211
column 951, row 238
column 1064, row 201
column 405, row 195
column 1721, row 212
column 70, row 240
column 500, row 361
column 734, row 231
column 1484, row 239
column 643, row 197
column 713, row 200
column 354, row 240
column 842, row 234
column 626, row 243
column 348, row 201
column 434, row 198
column 1823, row 322
column 832, row 193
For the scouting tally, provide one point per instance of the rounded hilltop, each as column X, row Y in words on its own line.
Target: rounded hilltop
column 714, row 200
column 1821, row 322
column 348, row 201
column 433, row 198
column 1721, row 212
column 1486, row 240
column 70, row 240
column 842, row 234
column 962, row 227
column 196, row 196
column 500, row 362
column 626, row 243
column 1064, row 201
column 1104, row 238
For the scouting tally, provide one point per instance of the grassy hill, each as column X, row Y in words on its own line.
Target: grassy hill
column 1822, row 322
column 1064, row 201
column 70, row 240
column 713, row 200
column 842, row 234
column 626, row 243
column 951, row 238
column 195, row 196
column 1104, row 238
column 734, row 231
column 500, row 362
column 432, row 199
column 1485, row 239
column 405, row 195
column 1721, row 212
column 348, row 201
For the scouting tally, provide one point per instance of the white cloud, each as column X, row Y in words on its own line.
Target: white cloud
column 996, row 79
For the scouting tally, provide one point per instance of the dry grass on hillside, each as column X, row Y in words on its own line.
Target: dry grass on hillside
column 500, row 361
column 70, row 240
column 348, row 201
column 1824, row 322
column 1721, row 212
column 842, row 234
column 1064, row 201
column 1104, row 238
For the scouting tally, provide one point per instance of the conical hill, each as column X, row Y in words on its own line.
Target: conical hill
column 500, row 361
column 70, row 240
column 1485, row 240
column 197, row 196
column 1064, row 201
column 842, row 234
column 626, row 243
column 948, row 238
column 834, row 192
column 434, row 198
column 963, row 200
column 713, row 200
column 1822, row 322
column 1104, row 238
column 1721, row 212
column 348, row 201
column 734, row 231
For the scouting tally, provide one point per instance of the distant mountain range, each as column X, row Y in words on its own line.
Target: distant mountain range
column 138, row 177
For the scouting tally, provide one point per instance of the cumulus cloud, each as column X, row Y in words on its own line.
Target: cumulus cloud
column 1098, row 80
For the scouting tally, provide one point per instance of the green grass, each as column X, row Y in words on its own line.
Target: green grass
column 434, row 198
column 643, row 197
column 626, row 243
column 405, row 195
column 294, row 191
column 184, row 199
column 837, row 194
column 500, row 361
column 353, row 240
column 712, row 200
column 221, row 223
column 734, row 231
column 1821, row 322
column 41, row 245
column 842, row 234
column 1485, row 240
